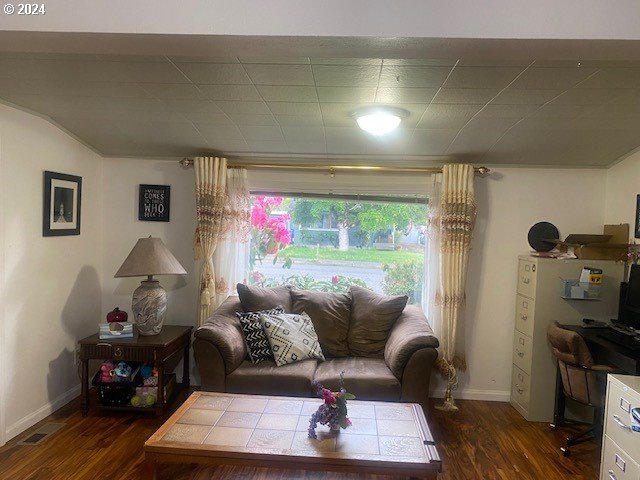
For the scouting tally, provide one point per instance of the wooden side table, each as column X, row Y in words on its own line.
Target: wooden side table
column 158, row 349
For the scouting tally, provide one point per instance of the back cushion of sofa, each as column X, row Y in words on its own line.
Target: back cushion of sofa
column 254, row 299
column 372, row 317
column 330, row 313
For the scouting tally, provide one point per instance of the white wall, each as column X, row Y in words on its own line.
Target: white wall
column 51, row 286
column 623, row 184
column 510, row 200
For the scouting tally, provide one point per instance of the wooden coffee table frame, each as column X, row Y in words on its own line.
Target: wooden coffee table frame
column 174, row 452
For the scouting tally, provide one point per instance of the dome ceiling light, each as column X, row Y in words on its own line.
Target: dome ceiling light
column 379, row 121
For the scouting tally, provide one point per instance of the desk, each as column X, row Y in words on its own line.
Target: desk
column 605, row 352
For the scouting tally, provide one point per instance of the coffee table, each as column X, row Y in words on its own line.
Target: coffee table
column 265, row 431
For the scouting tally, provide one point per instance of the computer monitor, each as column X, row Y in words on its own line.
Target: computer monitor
column 629, row 312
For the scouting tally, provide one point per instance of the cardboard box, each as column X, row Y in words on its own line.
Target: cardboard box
column 613, row 244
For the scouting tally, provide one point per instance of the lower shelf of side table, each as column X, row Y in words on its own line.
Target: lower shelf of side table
column 157, row 409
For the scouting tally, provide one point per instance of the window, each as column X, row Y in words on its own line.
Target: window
column 329, row 244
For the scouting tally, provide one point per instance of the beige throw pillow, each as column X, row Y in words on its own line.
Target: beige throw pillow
column 292, row 337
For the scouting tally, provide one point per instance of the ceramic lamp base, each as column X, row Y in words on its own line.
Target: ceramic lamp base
column 149, row 307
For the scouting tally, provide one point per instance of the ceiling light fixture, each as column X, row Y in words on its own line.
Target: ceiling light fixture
column 379, row 121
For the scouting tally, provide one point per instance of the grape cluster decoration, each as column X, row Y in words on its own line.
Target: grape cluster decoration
column 333, row 412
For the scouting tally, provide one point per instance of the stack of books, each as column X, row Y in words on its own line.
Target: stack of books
column 115, row 330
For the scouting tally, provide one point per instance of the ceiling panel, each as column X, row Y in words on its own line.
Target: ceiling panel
column 346, row 75
column 213, row 73
column 493, row 110
column 465, row 95
column 240, row 93
column 174, row 90
column 405, row 95
column 280, row 74
column 400, row 76
column 289, row 93
column 294, row 108
column 559, row 78
column 346, row 94
column 514, row 96
column 482, row 77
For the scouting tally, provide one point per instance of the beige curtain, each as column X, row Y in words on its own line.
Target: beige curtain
column 451, row 222
column 211, row 177
column 231, row 258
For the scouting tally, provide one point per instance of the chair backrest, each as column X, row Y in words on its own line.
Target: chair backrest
column 579, row 382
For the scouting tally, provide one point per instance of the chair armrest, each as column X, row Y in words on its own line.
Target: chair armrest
column 410, row 333
column 222, row 329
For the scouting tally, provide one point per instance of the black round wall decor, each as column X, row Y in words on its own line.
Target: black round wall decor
column 539, row 232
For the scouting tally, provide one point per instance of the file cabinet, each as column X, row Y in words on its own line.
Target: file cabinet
column 538, row 303
column 620, row 444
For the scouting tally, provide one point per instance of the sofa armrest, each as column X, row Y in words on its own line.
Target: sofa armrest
column 222, row 329
column 410, row 333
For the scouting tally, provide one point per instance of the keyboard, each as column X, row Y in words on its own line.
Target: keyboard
column 621, row 339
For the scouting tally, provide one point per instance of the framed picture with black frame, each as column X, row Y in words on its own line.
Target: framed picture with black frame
column 637, row 230
column 61, row 204
column 154, row 203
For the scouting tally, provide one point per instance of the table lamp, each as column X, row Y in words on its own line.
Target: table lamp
column 149, row 257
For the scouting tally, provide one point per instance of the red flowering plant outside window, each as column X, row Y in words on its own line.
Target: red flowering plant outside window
column 269, row 231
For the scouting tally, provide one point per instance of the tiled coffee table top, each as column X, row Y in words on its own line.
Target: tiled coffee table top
column 252, row 424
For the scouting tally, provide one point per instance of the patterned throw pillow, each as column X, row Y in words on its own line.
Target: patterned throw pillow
column 292, row 337
column 258, row 348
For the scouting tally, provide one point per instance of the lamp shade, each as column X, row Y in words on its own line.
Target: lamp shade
column 150, row 257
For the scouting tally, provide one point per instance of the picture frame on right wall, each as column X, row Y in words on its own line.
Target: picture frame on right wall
column 637, row 229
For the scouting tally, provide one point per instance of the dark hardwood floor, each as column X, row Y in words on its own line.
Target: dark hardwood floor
column 484, row 440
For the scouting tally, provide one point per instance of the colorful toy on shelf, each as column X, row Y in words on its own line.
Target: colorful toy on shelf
column 122, row 371
column 151, row 380
column 106, row 371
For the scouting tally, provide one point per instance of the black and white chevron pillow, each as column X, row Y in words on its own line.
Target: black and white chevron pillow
column 258, row 347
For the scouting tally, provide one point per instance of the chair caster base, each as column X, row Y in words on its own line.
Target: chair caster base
column 553, row 426
column 565, row 451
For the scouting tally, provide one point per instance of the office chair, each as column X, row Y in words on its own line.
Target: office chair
column 579, row 379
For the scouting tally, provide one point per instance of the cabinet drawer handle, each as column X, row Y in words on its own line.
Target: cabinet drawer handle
column 611, row 475
column 625, row 405
column 620, row 463
column 103, row 344
column 620, row 423
column 117, row 352
column 533, row 268
column 525, row 280
column 519, row 353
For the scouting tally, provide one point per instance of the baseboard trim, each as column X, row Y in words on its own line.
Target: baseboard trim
column 40, row 414
column 475, row 394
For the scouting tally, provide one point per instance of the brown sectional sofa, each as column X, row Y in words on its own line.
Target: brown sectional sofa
column 397, row 367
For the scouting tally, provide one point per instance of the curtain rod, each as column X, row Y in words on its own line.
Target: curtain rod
column 188, row 162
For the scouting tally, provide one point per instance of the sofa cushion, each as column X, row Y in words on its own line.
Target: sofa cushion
column 291, row 336
column 372, row 316
column 266, row 378
column 330, row 314
column 258, row 348
column 254, row 299
column 366, row 378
